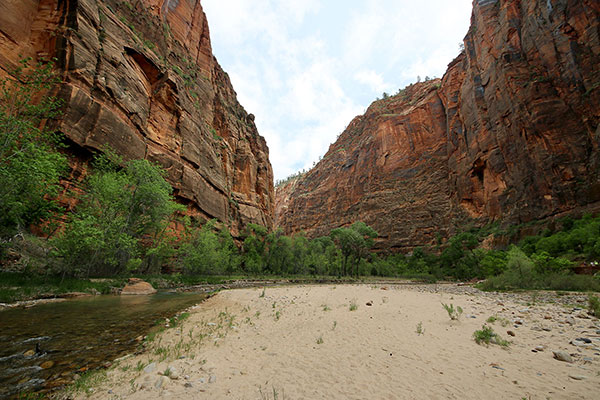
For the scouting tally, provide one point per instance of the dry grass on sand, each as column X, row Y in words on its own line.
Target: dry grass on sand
column 325, row 342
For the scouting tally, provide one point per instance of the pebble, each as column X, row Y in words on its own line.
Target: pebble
column 211, row 324
column 510, row 333
column 212, row 379
column 585, row 340
column 160, row 382
column 577, row 377
column 539, row 348
column 173, row 373
column 150, row 368
column 202, row 380
column 188, row 385
column 47, row 364
column 29, row 353
column 562, row 356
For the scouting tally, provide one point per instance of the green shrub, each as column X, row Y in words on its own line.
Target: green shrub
column 486, row 335
column 121, row 207
column 207, row 251
column 30, row 164
column 453, row 313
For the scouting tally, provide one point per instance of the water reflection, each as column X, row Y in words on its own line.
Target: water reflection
column 41, row 347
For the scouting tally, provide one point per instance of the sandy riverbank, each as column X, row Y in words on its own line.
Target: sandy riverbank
column 304, row 342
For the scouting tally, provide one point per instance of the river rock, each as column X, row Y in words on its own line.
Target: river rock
column 173, row 373
column 47, row 364
column 161, row 382
column 577, row 377
column 562, row 356
column 137, row 286
column 150, row 368
column 29, row 353
column 212, row 379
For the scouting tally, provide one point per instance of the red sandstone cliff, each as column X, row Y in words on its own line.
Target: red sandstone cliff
column 510, row 133
column 140, row 76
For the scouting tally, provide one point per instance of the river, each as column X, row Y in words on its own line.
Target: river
column 43, row 347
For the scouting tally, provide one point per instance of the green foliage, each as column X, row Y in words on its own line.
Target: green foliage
column 459, row 259
column 453, row 313
column 19, row 286
column 30, row 165
column 354, row 244
column 420, row 330
column 207, row 251
column 121, row 209
column 486, row 335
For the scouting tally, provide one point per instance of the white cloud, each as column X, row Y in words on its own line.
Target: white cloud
column 372, row 80
column 305, row 68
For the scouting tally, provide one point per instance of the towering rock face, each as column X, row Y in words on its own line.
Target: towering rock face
column 140, row 77
column 510, row 133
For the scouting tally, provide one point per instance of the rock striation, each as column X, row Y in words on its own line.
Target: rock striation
column 139, row 76
column 510, row 134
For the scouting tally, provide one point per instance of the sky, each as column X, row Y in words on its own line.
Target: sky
column 306, row 68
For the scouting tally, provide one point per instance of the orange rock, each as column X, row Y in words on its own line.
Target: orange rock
column 509, row 133
column 137, row 286
column 140, row 77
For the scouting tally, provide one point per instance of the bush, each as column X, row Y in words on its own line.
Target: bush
column 453, row 313
column 30, row 165
column 208, row 252
column 121, row 209
column 486, row 335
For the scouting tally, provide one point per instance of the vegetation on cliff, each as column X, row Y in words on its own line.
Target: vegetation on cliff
column 127, row 222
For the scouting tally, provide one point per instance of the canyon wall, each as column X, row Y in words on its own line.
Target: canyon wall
column 509, row 134
column 140, row 77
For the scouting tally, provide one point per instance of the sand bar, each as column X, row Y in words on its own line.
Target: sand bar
column 304, row 342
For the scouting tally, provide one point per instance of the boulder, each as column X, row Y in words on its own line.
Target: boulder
column 136, row 286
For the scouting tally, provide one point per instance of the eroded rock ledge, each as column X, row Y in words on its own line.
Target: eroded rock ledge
column 510, row 133
column 140, row 76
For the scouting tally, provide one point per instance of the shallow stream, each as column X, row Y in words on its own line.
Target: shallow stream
column 44, row 346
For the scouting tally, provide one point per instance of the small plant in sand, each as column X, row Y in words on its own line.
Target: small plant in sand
column 167, row 372
column 273, row 396
column 140, row 366
column 420, row 330
column 262, row 294
column 486, row 335
column 491, row 319
column 87, row 382
column 353, row 305
column 453, row 313
column 325, row 307
column 334, row 325
column 277, row 315
column 320, row 340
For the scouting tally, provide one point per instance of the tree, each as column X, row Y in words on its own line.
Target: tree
column 208, row 251
column 30, row 165
column 121, row 209
column 354, row 244
column 254, row 247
